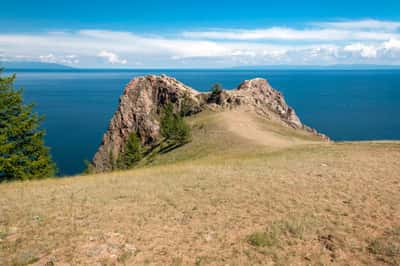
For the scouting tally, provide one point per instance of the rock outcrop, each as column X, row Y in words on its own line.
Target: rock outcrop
column 258, row 95
column 144, row 98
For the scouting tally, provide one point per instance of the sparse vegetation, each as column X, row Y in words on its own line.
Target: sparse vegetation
column 3, row 235
column 387, row 247
column 88, row 167
column 113, row 161
column 125, row 256
column 187, row 105
column 277, row 231
column 23, row 154
column 383, row 247
column 224, row 198
column 263, row 239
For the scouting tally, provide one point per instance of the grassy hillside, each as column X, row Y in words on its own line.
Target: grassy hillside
column 245, row 191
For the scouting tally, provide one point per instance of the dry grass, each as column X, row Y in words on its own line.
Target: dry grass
column 223, row 199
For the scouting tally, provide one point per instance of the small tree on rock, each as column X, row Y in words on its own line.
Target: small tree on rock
column 216, row 89
column 23, row 154
column 216, row 92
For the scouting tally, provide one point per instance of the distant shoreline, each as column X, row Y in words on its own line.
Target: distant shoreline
column 6, row 69
column 10, row 66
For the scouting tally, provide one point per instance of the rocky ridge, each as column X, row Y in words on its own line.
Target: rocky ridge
column 144, row 98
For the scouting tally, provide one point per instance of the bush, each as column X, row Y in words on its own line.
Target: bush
column 216, row 89
column 132, row 154
column 23, row 154
column 187, row 105
column 88, row 167
column 216, row 94
column 173, row 126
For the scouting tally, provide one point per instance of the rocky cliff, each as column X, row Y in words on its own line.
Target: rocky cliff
column 143, row 100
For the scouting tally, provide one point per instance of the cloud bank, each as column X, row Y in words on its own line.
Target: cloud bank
column 112, row 58
column 316, row 43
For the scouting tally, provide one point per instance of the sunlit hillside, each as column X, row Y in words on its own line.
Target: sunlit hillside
column 244, row 191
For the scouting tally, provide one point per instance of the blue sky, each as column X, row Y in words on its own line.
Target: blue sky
column 200, row 33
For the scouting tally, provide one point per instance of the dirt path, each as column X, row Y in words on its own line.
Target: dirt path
column 246, row 125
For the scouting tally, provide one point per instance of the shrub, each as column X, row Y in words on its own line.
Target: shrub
column 387, row 247
column 187, row 105
column 173, row 126
column 216, row 94
column 273, row 234
column 216, row 89
column 89, row 168
column 23, row 154
column 132, row 154
column 263, row 239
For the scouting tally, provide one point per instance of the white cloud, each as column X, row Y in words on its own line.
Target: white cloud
column 112, row 57
column 243, row 53
column 366, row 24
column 366, row 51
column 275, row 53
column 353, row 42
column 70, row 59
column 392, row 44
column 49, row 58
column 289, row 34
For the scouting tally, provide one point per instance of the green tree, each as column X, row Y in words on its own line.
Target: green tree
column 216, row 89
column 216, row 93
column 23, row 154
column 132, row 154
column 173, row 126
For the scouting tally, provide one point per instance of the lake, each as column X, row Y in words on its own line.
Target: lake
column 344, row 104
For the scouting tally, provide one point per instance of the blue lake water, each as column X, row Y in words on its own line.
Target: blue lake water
column 344, row 104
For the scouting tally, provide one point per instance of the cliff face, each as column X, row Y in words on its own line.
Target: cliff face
column 143, row 99
column 139, row 111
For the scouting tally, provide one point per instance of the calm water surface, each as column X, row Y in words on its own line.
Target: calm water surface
column 78, row 104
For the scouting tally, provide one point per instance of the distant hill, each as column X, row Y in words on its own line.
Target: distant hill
column 32, row 65
column 322, row 67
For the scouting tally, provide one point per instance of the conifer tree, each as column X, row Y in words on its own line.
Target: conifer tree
column 23, row 154
column 173, row 126
column 132, row 153
column 216, row 89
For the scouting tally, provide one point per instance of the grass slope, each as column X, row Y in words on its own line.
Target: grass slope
column 243, row 192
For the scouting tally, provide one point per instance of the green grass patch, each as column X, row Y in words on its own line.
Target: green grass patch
column 3, row 235
column 280, row 231
column 264, row 239
column 387, row 247
column 124, row 256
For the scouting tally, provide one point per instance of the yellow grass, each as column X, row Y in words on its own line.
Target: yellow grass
column 227, row 198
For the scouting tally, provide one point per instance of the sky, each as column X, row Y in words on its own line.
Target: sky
column 200, row 34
